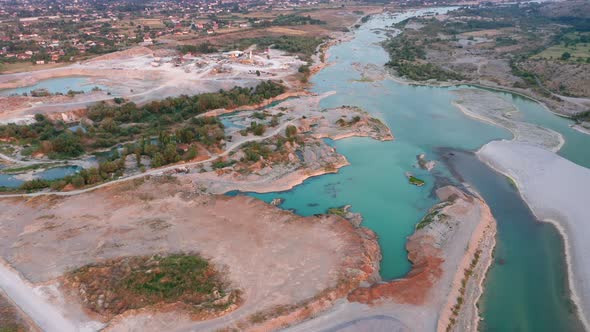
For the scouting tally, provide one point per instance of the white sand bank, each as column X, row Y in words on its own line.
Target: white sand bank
column 557, row 191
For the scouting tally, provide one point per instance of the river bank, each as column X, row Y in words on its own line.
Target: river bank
column 545, row 182
column 493, row 109
column 444, row 271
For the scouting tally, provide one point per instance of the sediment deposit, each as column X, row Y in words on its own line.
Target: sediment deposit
column 556, row 190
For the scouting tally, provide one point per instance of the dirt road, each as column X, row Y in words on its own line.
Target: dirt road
column 35, row 306
column 160, row 170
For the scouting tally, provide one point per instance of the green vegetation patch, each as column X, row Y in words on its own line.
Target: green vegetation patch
column 564, row 52
column 583, row 116
column 433, row 214
column 339, row 211
column 253, row 151
column 296, row 20
column 116, row 123
column 117, row 285
column 201, row 48
column 423, row 71
column 405, row 55
column 303, row 46
column 167, row 131
column 415, row 181
column 343, row 123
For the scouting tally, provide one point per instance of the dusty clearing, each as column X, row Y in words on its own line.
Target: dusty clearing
column 141, row 75
column 278, row 260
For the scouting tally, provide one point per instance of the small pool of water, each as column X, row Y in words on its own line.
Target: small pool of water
column 57, row 85
column 9, row 181
column 77, row 127
column 58, row 172
column 12, row 181
column 229, row 121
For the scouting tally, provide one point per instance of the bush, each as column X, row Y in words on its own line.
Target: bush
column 291, row 131
column 35, row 184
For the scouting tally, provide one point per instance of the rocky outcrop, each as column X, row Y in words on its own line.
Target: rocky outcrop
column 355, row 218
column 424, row 163
column 346, row 121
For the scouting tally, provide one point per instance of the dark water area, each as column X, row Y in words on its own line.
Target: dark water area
column 528, row 278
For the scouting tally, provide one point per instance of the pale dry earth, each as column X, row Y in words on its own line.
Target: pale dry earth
column 134, row 76
column 274, row 256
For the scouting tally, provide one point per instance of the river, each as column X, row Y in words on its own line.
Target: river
column 526, row 289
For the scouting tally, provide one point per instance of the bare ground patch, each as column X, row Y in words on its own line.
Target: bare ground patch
column 276, row 258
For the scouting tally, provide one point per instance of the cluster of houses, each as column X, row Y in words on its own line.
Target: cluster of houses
column 53, row 50
column 85, row 29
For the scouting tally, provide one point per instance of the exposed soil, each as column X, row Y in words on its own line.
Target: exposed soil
column 275, row 257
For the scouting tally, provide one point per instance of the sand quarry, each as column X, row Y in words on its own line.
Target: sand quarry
column 142, row 75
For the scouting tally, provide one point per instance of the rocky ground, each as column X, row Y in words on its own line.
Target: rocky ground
column 131, row 75
column 570, row 78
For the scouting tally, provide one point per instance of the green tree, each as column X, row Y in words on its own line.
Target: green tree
column 291, row 131
column 158, row 160
column 67, row 145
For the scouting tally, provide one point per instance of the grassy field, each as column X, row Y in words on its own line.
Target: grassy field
column 19, row 67
column 555, row 52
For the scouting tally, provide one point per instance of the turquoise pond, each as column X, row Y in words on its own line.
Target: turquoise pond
column 57, row 85
column 530, row 279
column 11, row 181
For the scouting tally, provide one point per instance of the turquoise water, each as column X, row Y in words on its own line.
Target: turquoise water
column 10, row 181
column 228, row 121
column 58, row 172
column 57, row 85
column 523, row 290
column 575, row 141
column 375, row 183
column 527, row 289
